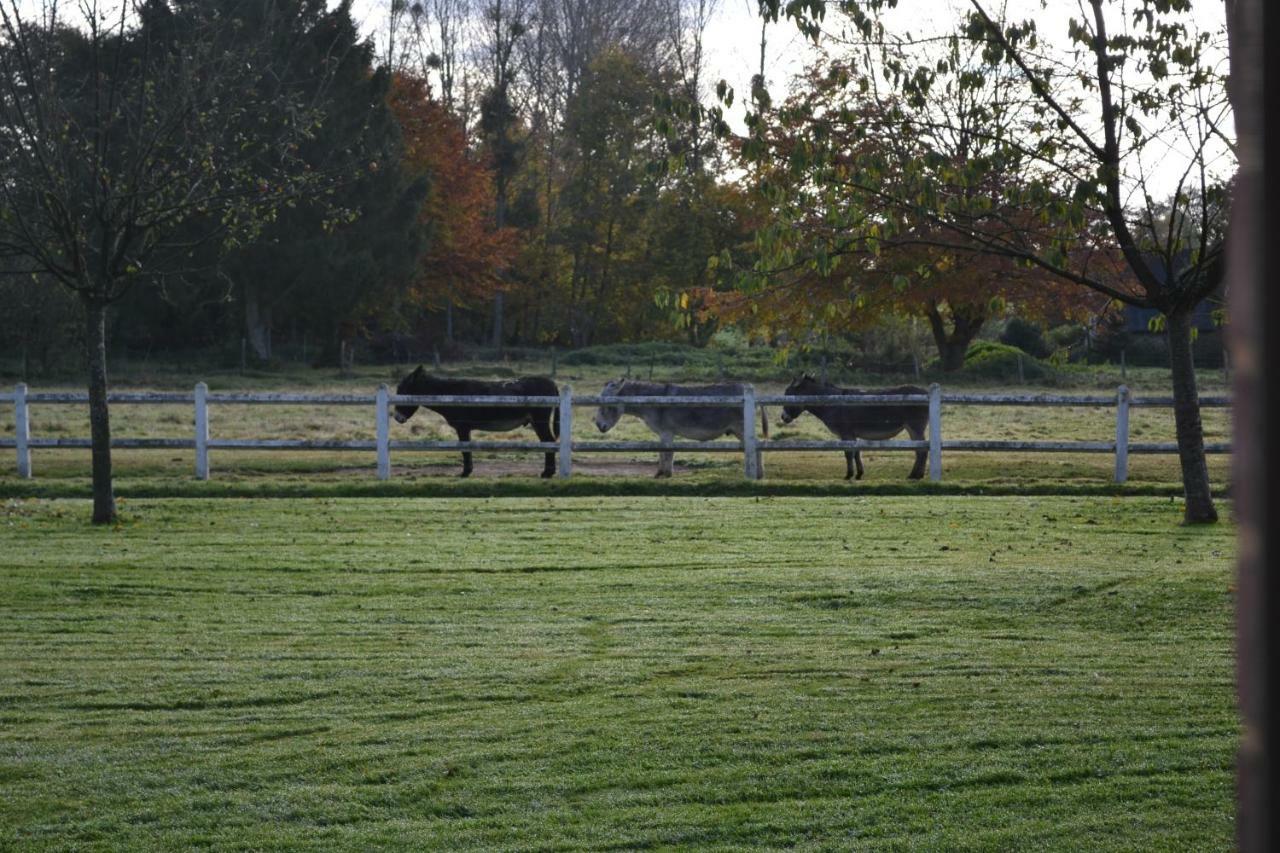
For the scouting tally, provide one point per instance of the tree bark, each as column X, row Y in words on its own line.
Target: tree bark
column 104, row 499
column 953, row 346
column 1186, row 412
column 497, row 320
column 257, row 323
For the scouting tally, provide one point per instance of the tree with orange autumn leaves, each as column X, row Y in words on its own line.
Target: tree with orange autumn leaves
column 467, row 254
column 820, row 274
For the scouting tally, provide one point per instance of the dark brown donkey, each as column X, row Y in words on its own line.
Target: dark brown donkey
column 876, row 423
column 545, row 420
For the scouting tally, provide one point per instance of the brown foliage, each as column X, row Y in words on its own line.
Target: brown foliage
column 467, row 255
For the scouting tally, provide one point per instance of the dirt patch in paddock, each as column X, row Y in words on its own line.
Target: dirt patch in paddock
column 516, row 468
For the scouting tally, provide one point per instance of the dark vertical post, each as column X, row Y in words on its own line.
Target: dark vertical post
column 1254, row 309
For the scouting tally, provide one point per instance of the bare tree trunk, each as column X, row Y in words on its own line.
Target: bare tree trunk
column 95, row 344
column 256, row 323
column 953, row 346
column 497, row 320
column 1186, row 413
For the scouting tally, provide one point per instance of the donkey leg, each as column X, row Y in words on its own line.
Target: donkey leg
column 542, row 426
column 857, row 460
column 666, row 458
column 465, row 435
column 848, row 464
column 916, row 431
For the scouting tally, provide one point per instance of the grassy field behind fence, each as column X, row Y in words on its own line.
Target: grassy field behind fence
column 155, row 472
column 888, row 673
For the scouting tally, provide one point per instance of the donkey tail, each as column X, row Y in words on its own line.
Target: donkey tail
column 764, row 421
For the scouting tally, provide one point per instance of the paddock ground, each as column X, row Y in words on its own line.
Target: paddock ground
column 885, row 673
column 64, row 473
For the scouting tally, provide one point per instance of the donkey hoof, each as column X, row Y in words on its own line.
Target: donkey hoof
column 546, row 475
column 464, row 475
column 662, row 474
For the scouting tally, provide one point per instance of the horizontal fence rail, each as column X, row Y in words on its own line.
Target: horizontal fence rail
column 565, row 446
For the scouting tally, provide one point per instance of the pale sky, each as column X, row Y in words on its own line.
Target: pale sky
column 732, row 44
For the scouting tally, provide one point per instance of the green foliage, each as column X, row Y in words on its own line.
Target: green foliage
column 329, row 261
column 992, row 360
column 1026, row 336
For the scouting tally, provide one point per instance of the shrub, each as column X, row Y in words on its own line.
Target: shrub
column 993, row 360
column 1026, row 336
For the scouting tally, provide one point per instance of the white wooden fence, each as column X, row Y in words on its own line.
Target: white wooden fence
column 751, row 447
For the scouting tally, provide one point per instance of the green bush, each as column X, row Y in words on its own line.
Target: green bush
column 991, row 360
column 994, row 360
column 1026, row 336
column 663, row 353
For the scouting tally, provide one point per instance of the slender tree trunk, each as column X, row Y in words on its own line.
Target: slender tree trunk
column 104, row 499
column 256, row 323
column 1186, row 413
column 497, row 320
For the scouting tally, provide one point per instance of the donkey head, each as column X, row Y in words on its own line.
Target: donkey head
column 802, row 385
column 410, row 385
column 607, row 416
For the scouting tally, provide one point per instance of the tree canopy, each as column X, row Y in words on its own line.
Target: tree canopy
column 1086, row 121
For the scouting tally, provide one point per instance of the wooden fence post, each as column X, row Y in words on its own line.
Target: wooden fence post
column 383, row 433
column 202, row 431
column 565, row 459
column 750, row 453
column 935, row 432
column 22, row 429
column 1122, row 434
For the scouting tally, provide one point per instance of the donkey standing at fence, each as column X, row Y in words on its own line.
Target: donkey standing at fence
column 700, row 423
column 545, row 420
column 874, row 422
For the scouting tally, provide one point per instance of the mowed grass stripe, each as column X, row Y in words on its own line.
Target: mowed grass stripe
column 558, row 673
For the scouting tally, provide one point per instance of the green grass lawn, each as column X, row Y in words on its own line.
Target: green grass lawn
column 884, row 673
